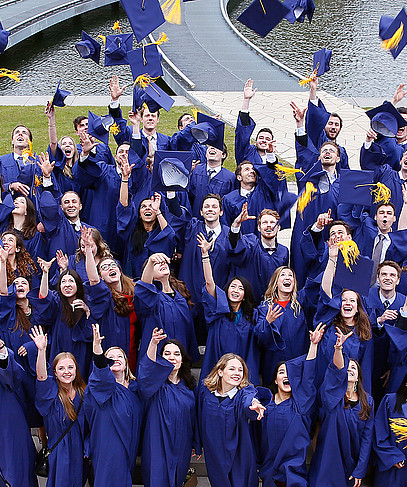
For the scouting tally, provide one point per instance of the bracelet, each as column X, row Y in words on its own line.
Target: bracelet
column 157, row 214
column 338, row 348
column 206, row 257
column 123, row 181
column 332, row 260
column 4, row 346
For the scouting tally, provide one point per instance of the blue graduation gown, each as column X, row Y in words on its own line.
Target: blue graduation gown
column 388, row 450
column 244, row 150
column 226, row 336
column 66, row 461
column 360, row 350
column 155, row 308
column 103, row 153
column 63, row 338
column 293, row 331
column 115, row 328
column 10, row 172
column 221, row 183
column 191, row 271
column 114, row 415
column 157, row 241
column 17, row 457
column 225, row 431
column 249, row 259
column 397, row 360
column 171, row 429
column 284, row 431
column 344, row 441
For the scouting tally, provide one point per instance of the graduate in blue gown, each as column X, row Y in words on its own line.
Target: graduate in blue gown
column 256, row 257
column 230, row 317
column 285, row 311
column 113, row 410
column 283, row 436
column 66, row 315
column 390, row 453
column 161, row 298
column 171, row 431
column 344, row 442
column 343, row 311
column 59, row 399
column 18, row 452
column 110, row 297
column 226, row 403
column 19, row 216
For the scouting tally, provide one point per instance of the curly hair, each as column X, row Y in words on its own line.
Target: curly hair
column 103, row 249
column 25, row 265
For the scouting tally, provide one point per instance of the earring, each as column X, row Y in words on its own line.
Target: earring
column 355, row 387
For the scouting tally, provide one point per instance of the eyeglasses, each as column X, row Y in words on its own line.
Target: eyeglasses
column 110, row 265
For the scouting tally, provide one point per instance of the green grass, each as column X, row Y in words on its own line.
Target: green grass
column 35, row 119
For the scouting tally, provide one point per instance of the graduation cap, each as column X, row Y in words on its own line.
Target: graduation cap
column 99, row 127
column 145, row 60
column 209, row 130
column 145, row 16
column 262, row 16
column 357, row 278
column 59, row 97
column 116, row 48
column 284, row 203
column 355, row 187
column 299, row 9
column 4, row 35
column 171, row 170
column 153, row 96
column 88, row 47
column 385, row 119
column 393, row 32
column 322, row 58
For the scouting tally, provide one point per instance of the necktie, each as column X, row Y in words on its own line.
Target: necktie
column 20, row 161
column 211, row 172
column 151, row 149
column 377, row 253
column 210, row 235
column 386, row 304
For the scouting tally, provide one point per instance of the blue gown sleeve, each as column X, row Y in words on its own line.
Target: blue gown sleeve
column 12, row 375
column 267, row 333
column 316, row 119
column 366, row 442
column 46, row 309
column 152, row 375
column 146, row 297
column 46, row 392
column 100, row 298
column 246, row 396
column 327, row 308
column 242, row 139
column 333, row 388
column 101, row 384
column 214, row 308
column 301, row 374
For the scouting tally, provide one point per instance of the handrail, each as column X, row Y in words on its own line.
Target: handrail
column 189, row 82
column 253, row 46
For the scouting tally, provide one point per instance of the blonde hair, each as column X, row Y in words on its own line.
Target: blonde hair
column 78, row 384
column 271, row 294
column 214, row 382
column 67, row 171
column 127, row 372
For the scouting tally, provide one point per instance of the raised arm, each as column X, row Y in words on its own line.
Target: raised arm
column 248, row 94
column 3, row 272
column 154, row 259
column 402, row 223
column 45, row 267
column 206, row 264
column 124, row 185
column 52, row 128
column 90, row 264
column 298, row 114
column 156, row 337
column 338, row 359
column 40, row 340
column 97, row 340
column 399, row 94
column 156, row 204
column 329, row 273
column 315, row 337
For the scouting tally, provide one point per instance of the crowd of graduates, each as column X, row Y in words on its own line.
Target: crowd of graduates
column 120, row 271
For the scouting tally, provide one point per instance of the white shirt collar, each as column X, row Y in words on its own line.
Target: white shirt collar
column 383, row 299
column 153, row 136
column 217, row 229
column 246, row 192
column 216, row 169
column 231, row 394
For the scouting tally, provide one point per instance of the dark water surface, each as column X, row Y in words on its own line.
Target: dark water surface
column 359, row 66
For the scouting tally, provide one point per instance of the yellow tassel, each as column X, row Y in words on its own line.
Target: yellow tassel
column 381, row 193
column 349, row 251
column 163, row 38
column 144, row 80
column 305, row 81
column 195, row 114
column 284, row 171
column 399, row 428
column 262, row 6
column 305, row 197
column 172, row 11
column 27, row 153
column 394, row 41
column 114, row 129
column 102, row 37
column 15, row 75
column 116, row 26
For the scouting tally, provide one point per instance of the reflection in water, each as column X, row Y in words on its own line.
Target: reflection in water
column 359, row 66
column 45, row 57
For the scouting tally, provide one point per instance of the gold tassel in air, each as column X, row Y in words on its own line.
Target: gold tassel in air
column 15, row 75
column 305, row 81
column 114, row 129
column 172, row 11
column 381, row 193
column 399, row 428
column 283, row 172
column 163, row 38
column 394, row 41
column 350, row 252
column 103, row 38
column 116, row 26
column 27, row 153
column 305, row 197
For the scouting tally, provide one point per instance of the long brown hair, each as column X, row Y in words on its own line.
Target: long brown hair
column 365, row 409
column 121, row 303
column 103, row 249
column 78, row 384
column 22, row 321
column 181, row 287
column 25, row 265
column 214, row 382
column 362, row 326
column 271, row 294
column 29, row 228
column 69, row 316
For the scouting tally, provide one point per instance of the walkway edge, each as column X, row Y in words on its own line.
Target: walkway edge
column 223, row 5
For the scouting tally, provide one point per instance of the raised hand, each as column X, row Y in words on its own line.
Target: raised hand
column 203, row 243
column 86, row 237
column 399, row 94
column 62, row 260
column 38, row 337
column 87, row 143
column 323, row 219
column 316, row 335
column 333, row 248
column 242, row 217
column 159, row 258
column 50, row 112
column 45, row 265
column 45, row 165
column 126, row 169
column 116, row 90
column 3, row 255
column 157, row 336
column 134, row 117
column 97, row 339
column 259, row 408
column 371, row 135
column 156, row 202
column 80, row 304
column 274, row 312
column 248, row 91
column 298, row 114
column 341, row 337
